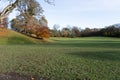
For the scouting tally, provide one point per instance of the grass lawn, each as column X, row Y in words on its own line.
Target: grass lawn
column 91, row 58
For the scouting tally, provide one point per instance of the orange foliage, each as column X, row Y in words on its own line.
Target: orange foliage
column 39, row 31
column 3, row 27
column 42, row 32
column 3, row 32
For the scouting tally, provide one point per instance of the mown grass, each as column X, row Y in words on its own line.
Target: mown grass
column 93, row 58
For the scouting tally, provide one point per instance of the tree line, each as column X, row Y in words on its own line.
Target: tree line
column 30, row 21
column 38, row 28
column 74, row 31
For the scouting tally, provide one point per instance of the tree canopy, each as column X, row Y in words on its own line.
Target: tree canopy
column 30, row 19
column 20, row 3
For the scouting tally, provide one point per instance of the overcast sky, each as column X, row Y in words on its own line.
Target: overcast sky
column 83, row 13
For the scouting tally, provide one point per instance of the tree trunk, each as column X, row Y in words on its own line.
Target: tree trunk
column 7, row 10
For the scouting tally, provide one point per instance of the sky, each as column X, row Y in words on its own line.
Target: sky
column 81, row 13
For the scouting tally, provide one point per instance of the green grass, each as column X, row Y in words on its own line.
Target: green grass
column 93, row 58
column 14, row 37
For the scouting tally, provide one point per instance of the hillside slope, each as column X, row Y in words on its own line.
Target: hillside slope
column 13, row 37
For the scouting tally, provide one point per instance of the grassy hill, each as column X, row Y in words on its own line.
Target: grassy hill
column 13, row 37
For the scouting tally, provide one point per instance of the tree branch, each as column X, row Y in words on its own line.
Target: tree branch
column 7, row 10
column 50, row 2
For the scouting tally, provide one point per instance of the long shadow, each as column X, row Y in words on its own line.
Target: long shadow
column 84, row 43
column 103, row 55
column 93, row 45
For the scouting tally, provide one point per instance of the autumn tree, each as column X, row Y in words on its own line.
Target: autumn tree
column 31, row 21
column 3, row 23
column 3, row 27
column 55, row 32
column 19, row 3
column 42, row 32
column 17, row 25
column 75, row 32
column 66, row 32
column 110, row 31
column 27, row 21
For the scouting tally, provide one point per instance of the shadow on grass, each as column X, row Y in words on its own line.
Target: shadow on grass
column 93, row 45
column 87, row 43
column 104, row 55
column 19, row 40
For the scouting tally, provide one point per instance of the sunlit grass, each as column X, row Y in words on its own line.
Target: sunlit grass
column 94, row 58
column 13, row 37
